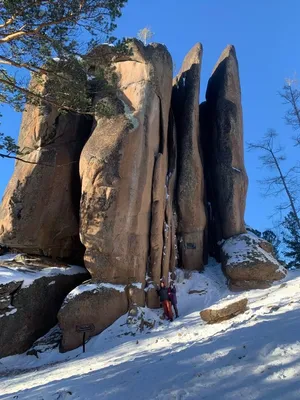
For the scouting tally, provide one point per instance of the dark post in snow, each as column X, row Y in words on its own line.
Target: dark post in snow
column 85, row 328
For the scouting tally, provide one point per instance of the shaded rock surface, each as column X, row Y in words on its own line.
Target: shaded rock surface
column 190, row 185
column 223, row 121
column 117, row 165
column 218, row 314
column 247, row 264
column 98, row 304
column 40, row 209
column 35, row 295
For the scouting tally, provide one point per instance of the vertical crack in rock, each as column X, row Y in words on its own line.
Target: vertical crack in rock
column 169, row 260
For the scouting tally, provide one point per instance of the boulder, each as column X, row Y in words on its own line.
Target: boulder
column 223, row 110
column 117, row 164
column 190, row 186
column 152, row 299
column 33, row 295
column 90, row 304
column 223, row 311
column 247, row 264
column 46, row 185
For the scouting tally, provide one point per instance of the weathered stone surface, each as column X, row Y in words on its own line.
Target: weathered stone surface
column 117, row 164
column 135, row 295
column 240, row 286
column 170, row 223
column 266, row 246
column 213, row 231
column 159, row 192
column 90, row 303
column 40, row 208
column 247, row 264
column 190, row 187
column 34, row 305
column 8, row 287
column 5, row 301
column 218, row 314
column 228, row 176
column 152, row 299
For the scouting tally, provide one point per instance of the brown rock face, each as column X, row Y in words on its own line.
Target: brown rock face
column 152, row 299
column 26, row 313
column 88, row 304
column 248, row 265
column 117, row 166
column 219, row 314
column 190, row 186
column 223, row 110
column 40, row 209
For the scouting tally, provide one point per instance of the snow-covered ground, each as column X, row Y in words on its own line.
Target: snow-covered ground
column 254, row 356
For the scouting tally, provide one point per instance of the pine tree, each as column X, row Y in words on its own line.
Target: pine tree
column 48, row 40
column 292, row 240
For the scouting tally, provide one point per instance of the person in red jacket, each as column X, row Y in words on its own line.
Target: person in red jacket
column 173, row 297
column 164, row 299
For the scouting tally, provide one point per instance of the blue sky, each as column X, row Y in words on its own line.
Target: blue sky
column 265, row 34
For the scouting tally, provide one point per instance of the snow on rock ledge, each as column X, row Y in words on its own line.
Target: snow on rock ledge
column 30, row 297
column 97, row 304
column 249, row 263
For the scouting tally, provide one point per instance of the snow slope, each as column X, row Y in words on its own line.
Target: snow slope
column 254, row 356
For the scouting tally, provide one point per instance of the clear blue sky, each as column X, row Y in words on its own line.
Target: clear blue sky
column 266, row 36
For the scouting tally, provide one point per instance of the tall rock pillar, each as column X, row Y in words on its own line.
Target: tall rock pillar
column 123, row 168
column 190, row 185
column 224, row 145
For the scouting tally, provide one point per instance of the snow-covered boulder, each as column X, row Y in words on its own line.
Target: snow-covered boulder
column 249, row 263
column 95, row 305
column 224, row 311
column 30, row 297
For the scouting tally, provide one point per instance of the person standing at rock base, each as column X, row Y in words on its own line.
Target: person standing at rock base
column 164, row 299
column 173, row 297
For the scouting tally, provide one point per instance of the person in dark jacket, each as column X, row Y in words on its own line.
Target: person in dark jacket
column 173, row 297
column 164, row 299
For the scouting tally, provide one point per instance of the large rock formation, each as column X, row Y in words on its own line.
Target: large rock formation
column 190, row 186
column 224, row 146
column 150, row 177
column 91, row 304
column 39, row 213
column 31, row 293
column 249, row 263
column 117, row 167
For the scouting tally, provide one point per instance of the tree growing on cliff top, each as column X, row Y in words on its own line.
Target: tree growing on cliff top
column 47, row 39
column 145, row 34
